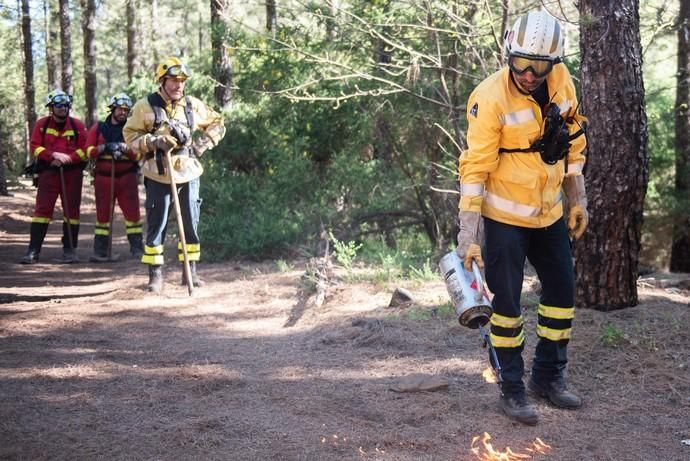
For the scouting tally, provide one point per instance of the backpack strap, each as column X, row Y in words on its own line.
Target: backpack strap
column 158, row 106
column 43, row 134
column 189, row 113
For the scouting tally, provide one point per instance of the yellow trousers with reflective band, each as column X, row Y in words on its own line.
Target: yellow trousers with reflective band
column 548, row 250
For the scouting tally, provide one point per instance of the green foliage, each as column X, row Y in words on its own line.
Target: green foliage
column 425, row 273
column 284, row 266
column 345, row 252
column 444, row 311
column 612, row 336
column 345, row 130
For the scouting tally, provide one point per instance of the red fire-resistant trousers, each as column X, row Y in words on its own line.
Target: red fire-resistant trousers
column 49, row 189
column 126, row 193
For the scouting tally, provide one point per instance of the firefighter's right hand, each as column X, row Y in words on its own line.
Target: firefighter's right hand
column 468, row 248
column 163, row 142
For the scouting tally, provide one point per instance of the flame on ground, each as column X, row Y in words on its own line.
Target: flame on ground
column 489, row 375
column 486, row 452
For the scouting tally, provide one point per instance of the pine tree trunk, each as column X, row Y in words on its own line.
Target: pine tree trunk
column 66, row 47
column 680, row 248
column 331, row 32
column 52, row 19
column 154, row 28
column 29, row 89
column 89, row 30
column 271, row 15
column 618, row 163
column 132, row 39
column 222, row 66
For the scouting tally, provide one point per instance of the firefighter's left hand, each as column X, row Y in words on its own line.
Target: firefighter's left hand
column 577, row 221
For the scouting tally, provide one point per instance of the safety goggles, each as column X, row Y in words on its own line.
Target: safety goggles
column 539, row 67
column 61, row 100
column 60, row 105
column 179, row 71
column 122, row 103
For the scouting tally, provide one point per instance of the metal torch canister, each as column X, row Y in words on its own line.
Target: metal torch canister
column 467, row 291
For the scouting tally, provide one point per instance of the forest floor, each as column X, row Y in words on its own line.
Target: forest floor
column 94, row 367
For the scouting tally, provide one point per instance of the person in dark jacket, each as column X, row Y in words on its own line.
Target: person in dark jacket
column 106, row 144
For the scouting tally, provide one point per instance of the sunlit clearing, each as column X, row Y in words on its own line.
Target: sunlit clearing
column 483, row 450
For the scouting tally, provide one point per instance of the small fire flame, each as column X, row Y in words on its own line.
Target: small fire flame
column 489, row 375
column 486, row 451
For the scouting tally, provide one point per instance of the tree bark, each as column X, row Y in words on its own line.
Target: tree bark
column 680, row 248
column 29, row 89
column 52, row 19
column 271, row 15
column 618, row 164
column 66, row 47
column 154, row 28
column 133, row 65
column 89, row 30
column 222, row 65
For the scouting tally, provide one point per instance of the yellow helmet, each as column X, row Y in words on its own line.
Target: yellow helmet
column 172, row 67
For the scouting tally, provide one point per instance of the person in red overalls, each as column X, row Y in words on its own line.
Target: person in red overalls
column 105, row 143
column 57, row 145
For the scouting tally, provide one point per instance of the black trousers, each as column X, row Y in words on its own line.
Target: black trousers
column 158, row 204
column 548, row 249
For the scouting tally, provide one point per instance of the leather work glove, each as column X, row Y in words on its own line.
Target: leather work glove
column 574, row 188
column 163, row 142
column 201, row 144
column 468, row 248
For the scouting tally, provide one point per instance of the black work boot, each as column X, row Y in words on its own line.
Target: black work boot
column 69, row 256
column 37, row 233
column 100, row 249
column 73, row 230
column 136, row 245
column 516, row 407
column 155, row 279
column 196, row 281
column 31, row 257
column 555, row 391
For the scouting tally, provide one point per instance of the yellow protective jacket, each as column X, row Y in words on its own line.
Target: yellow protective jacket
column 207, row 131
column 516, row 188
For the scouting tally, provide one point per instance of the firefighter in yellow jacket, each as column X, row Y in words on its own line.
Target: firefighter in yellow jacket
column 525, row 151
column 163, row 121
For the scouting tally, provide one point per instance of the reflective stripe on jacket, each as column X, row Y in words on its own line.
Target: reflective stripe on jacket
column 70, row 139
column 517, row 188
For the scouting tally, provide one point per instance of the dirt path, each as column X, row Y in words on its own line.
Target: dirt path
column 93, row 367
